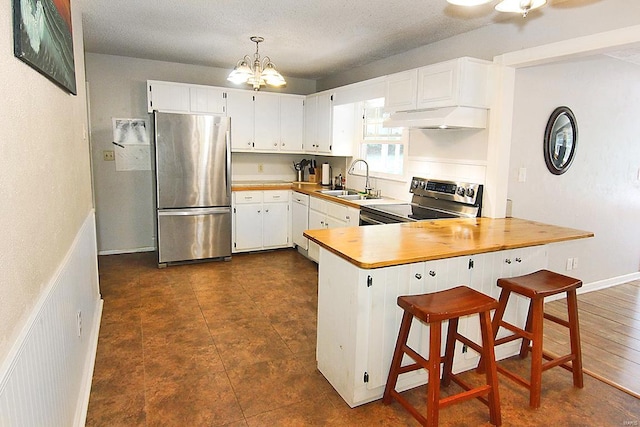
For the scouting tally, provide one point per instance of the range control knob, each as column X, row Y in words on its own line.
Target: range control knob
column 471, row 192
column 414, row 183
column 460, row 191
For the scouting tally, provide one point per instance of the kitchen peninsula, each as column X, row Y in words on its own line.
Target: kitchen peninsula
column 362, row 270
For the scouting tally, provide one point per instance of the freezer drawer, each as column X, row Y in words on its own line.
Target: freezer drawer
column 192, row 234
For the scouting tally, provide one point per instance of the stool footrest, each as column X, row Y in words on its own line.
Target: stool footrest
column 553, row 362
column 465, row 395
column 557, row 320
column 521, row 333
column 466, row 386
column 514, row 377
column 469, row 343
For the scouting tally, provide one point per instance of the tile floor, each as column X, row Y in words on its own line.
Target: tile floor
column 232, row 344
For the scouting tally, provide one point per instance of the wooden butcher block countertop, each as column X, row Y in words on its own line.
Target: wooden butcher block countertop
column 395, row 244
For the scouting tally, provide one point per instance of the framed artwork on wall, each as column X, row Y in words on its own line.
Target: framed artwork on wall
column 43, row 38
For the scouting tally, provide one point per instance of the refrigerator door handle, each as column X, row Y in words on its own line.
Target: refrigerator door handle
column 193, row 211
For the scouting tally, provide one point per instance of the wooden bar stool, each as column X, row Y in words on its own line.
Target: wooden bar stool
column 434, row 308
column 536, row 286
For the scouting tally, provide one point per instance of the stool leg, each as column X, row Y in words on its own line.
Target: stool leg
column 574, row 332
column 524, row 347
column 490, row 365
column 536, row 351
column 433, row 387
column 394, row 371
column 495, row 324
column 449, row 351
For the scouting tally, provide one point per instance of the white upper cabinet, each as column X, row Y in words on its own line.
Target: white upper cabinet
column 240, row 109
column 265, row 122
column 459, row 82
column 185, row 98
column 167, row 96
column 317, row 122
column 401, row 91
column 463, row 81
column 207, row 99
column 291, row 123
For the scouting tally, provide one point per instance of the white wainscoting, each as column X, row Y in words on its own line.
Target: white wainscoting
column 46, row 378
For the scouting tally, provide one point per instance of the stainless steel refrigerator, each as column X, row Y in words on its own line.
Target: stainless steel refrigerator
column 193, row 187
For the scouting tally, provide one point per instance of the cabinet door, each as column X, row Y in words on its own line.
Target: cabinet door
column 300, row 219
column 291, row 123
column 207, row 100
column 310, row 123
column 248, row 227
column 240, row 109
column 267, row 122
column 166, row 96
column 437, row 84
column 317, row 220
column 323, row 117
column 401, row 91
column 275, row 225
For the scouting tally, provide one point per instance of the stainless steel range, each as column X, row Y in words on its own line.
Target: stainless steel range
column 432, row 199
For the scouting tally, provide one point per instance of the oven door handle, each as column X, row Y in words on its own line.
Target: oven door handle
column 369, row 220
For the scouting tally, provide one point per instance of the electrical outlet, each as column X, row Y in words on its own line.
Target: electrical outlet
column 569, row 264
column 575, row 263
column 260, row 168
column 108, row 155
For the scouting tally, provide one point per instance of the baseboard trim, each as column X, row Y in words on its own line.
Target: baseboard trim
column 607, row 283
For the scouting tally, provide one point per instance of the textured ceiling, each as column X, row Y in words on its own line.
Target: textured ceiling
column 304, row 38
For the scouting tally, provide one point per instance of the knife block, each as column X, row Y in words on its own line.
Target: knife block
column 313, row 177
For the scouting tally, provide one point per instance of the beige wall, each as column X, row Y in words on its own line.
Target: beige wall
column 117, row 88
column 600, row 192
column 45, row 178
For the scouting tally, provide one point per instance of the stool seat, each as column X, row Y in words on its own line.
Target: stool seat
column 536, row 286
column 444, row 305
column 540, row 284
column 433, row 309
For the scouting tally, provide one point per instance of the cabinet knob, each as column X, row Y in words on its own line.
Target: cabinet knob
column 259, row 211
column 266, row 210
column 418, row 276
column 347, row 217
column 518, row 259
column 508, row 260
column 432, row 273
column 275, row 144
column 283, row 144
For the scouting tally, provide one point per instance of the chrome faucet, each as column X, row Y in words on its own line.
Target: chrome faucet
column 367, row 186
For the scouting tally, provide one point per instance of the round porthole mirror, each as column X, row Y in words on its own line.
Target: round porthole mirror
column 560, row 140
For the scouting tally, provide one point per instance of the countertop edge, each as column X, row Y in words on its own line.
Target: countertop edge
column 486, row 248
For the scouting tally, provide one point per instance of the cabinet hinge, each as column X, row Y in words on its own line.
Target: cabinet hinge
column 234, row 210
column 234, row 245
column 224, row 95
column 470, row 263
column 331, row 98
column 330, row 147
column 253, row 97
column 366, row 377
column 369, row 281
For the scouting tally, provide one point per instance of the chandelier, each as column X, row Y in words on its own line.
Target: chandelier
column 515, row 6
column 256, row 72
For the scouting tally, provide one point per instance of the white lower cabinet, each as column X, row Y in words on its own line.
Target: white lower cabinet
column 299, row 219
column 359, row 319
column 324, row 214
column 261, row 220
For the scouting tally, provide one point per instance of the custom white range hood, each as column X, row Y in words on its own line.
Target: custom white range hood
column 440, row 118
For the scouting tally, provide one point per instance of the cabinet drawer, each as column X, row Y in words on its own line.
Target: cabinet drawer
column 248, row 197
column 340, row 212
column 276, row 196
column 318, row 205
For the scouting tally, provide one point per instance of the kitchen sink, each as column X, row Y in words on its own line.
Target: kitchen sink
column 339, row 193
